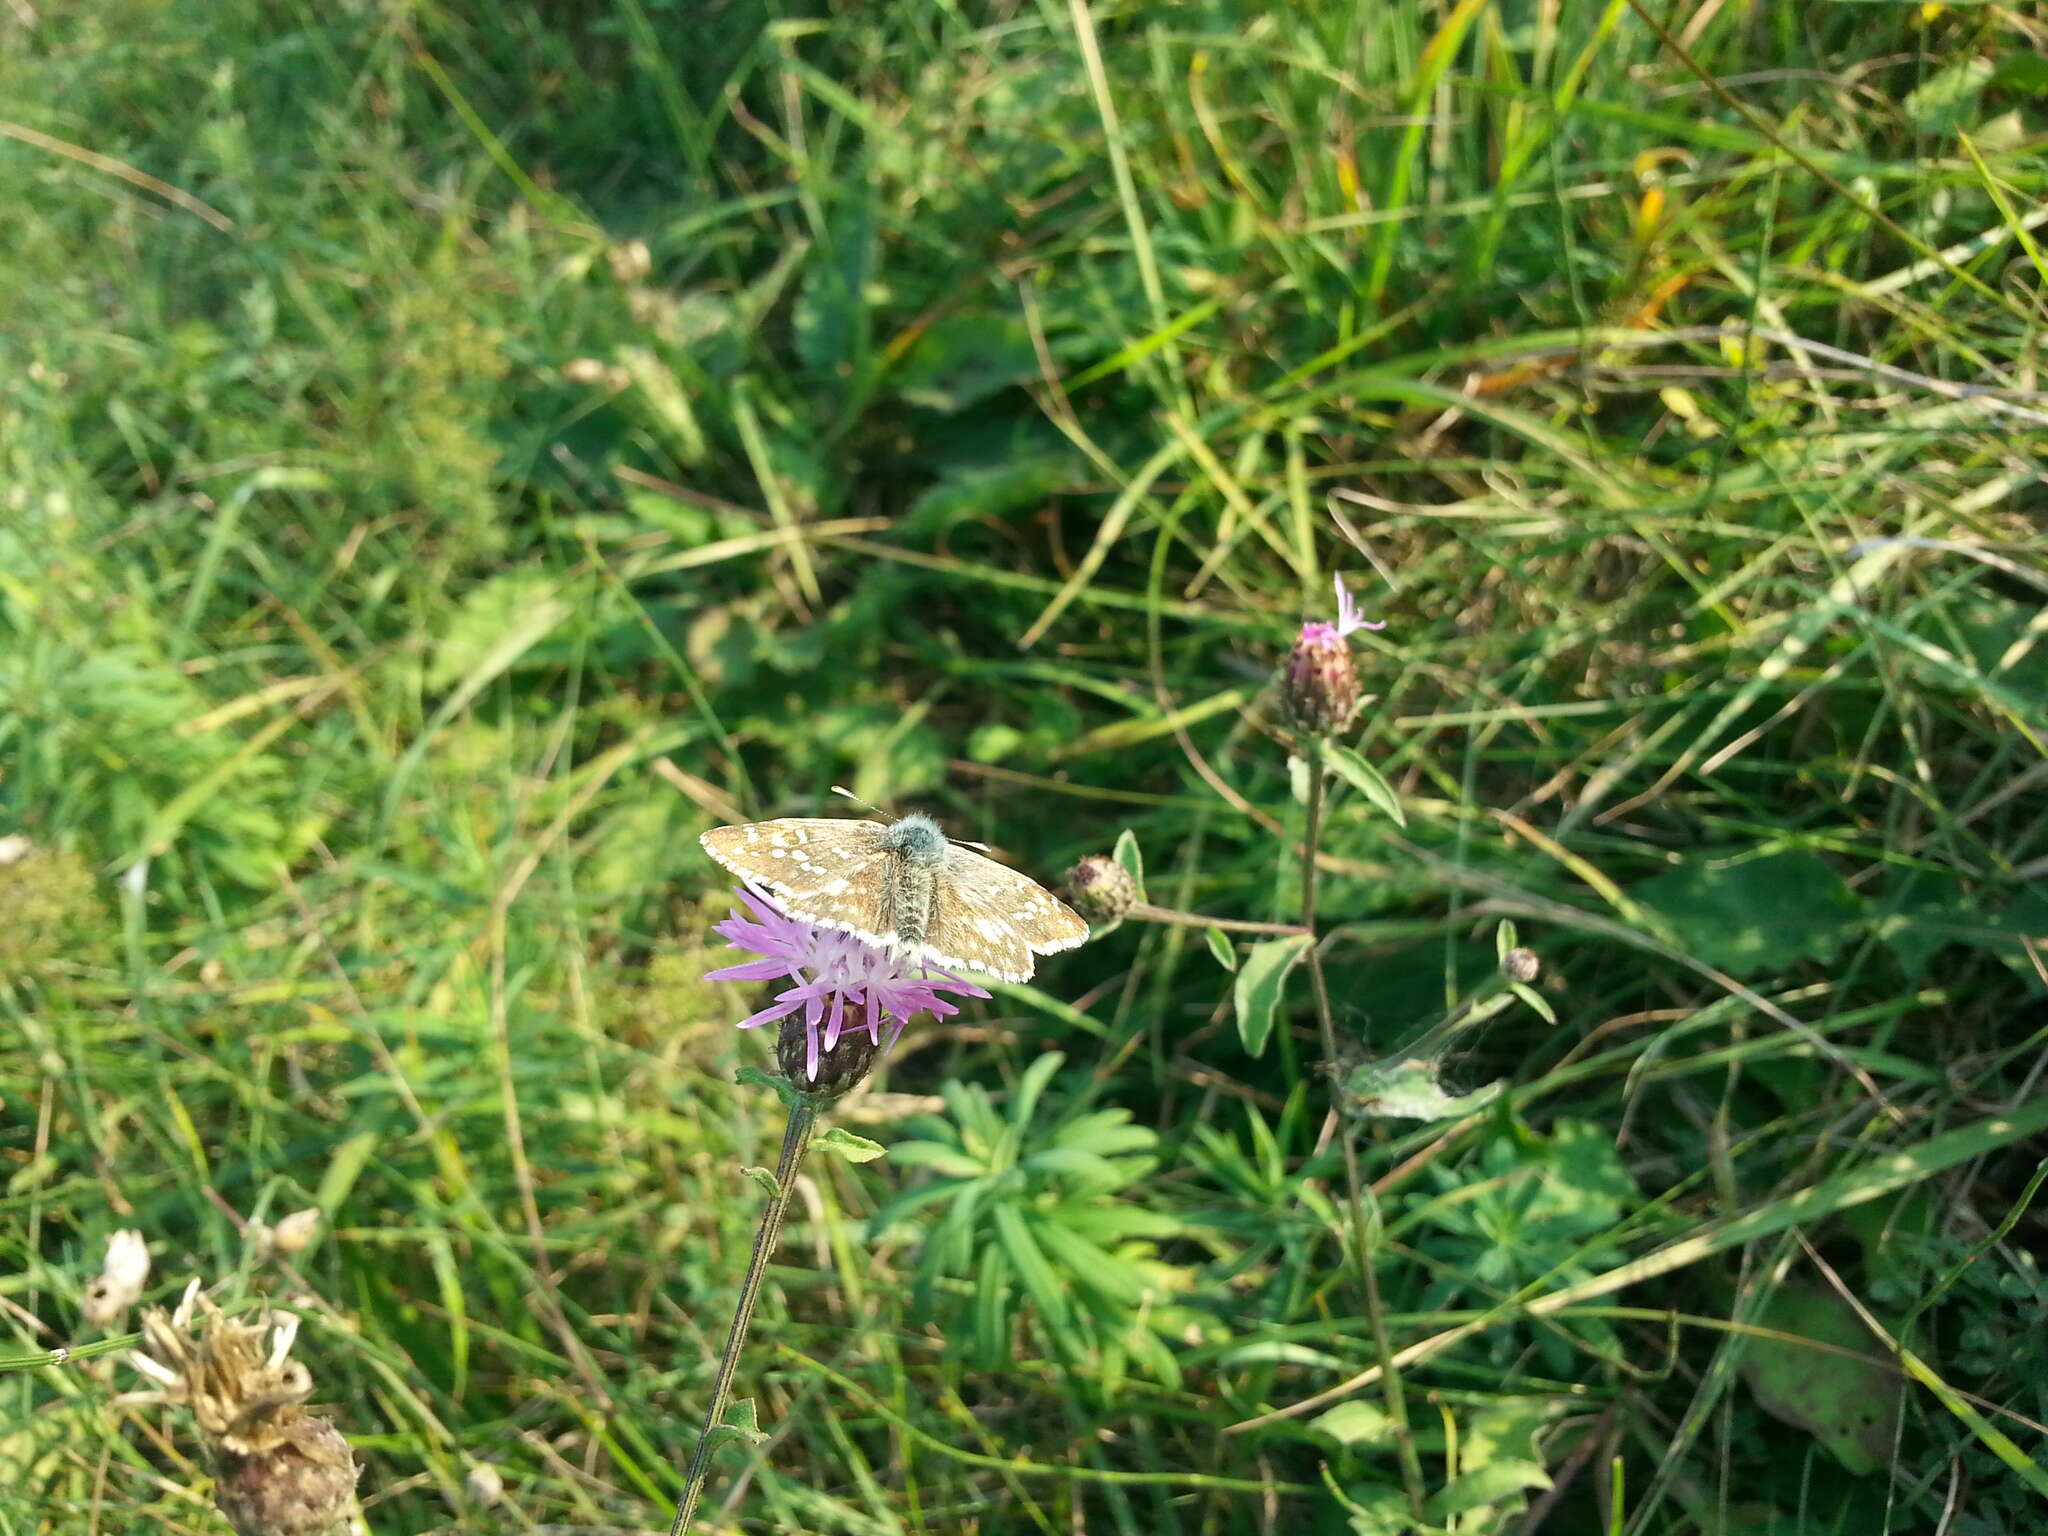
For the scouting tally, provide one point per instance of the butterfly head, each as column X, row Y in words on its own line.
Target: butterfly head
column 918, row 840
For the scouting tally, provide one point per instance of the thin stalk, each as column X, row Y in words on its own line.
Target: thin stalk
column 1390, row 1380
column 803, row 1119
column 1145, row 912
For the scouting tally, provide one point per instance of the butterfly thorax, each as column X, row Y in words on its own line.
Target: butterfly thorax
column 918, row 852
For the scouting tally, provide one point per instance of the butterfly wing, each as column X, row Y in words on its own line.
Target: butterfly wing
column 987, row 917
column 827, row 871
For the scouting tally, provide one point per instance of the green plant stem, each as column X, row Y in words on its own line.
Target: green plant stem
column 1390, row 1379
column 803, row 1119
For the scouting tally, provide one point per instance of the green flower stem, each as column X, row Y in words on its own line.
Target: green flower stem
column 1468, row 1014
column 803, row 1120
column 1390, row 1381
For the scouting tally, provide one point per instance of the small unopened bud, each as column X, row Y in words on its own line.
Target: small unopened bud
column 118, row 1286
column 1520, row 965
column 1100, row 889
column 1320, row 691
column 485, row 1484
column 295, row 1231
column 851, row 1058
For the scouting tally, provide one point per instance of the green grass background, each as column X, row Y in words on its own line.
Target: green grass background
column 421, row 422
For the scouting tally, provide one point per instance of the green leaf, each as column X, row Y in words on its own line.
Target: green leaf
column 1038, row 1276
column 764, row 1178
column 1221, row 947
column 1363, row 777
column 1947, row 99
column 1261, row 983
column 992, row 1309
column 1376, row 1510
column 1085, row 1264
column 980, row 491
column 495, row 624
column 740, row 1415
column 1850, row 1406
column 1283, row 1352
column 1758, row 916
column 784, row 1089
column 1357, row 1422
column 1126, row 854
column 843, row 1143
column 2022, row 72
column 741, row 1426
column 1497, row 1480
column 964, row 357
column 344, row 1167
column 1408, row 1090
column 950, row 1161
column 1534, row 1000
column 1506, row 1429
column 1036, row 1076
column 830, row 318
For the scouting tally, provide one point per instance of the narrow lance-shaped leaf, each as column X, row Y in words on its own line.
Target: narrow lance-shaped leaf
column 1261, row 983
column 1363, row 777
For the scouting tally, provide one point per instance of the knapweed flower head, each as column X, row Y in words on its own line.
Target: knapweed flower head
column 845, row 990
column 1100, row 889
column 1320, row 690
column 277, row 1470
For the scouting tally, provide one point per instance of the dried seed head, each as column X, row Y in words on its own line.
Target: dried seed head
column 849, row 1059
column 1100, row 889
column 1520, row 965
column 1320, row 691
column 304, row 1486
column 277, row 1472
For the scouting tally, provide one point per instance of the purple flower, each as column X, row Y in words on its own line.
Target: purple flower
column 1320, row 688
column 841, row 982
column 1349, row 619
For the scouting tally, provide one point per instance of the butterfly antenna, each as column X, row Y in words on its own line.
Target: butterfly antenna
column 845, row 793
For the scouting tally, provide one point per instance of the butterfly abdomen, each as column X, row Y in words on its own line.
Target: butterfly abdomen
column 917, row 852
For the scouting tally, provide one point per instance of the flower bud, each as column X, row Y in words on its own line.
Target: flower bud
column 485, row 1484
column 851, row 1057
column 118, row 1286
column 295, row 1231
column 1520, row 965
column 1320, row 691
column 1100, row 889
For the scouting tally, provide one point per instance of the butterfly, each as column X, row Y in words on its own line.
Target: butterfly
column 904, row 888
